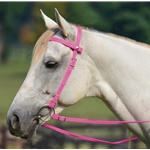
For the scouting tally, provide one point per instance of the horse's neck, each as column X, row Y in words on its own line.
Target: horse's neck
column 123, row 67
column 107, row 51
column 122, row 77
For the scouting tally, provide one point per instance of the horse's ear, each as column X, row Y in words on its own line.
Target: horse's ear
column 63, row 24
column 49, row 23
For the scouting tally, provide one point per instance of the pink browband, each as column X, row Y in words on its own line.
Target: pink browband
column 78, row 50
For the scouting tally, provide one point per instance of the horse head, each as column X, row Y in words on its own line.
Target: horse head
column 29, row 108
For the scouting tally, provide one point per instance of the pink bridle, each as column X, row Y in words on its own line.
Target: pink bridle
column 78, row 50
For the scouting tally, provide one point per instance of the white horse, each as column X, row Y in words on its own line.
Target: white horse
column 115, row 69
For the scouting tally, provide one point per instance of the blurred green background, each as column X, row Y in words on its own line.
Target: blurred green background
column 21, row 24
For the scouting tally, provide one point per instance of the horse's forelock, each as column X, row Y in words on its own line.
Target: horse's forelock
column 42, row 43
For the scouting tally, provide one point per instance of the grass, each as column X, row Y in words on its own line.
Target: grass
column 90, row 108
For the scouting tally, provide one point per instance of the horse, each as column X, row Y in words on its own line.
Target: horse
column 112, row 68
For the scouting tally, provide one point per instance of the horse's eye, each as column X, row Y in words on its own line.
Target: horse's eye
column 51, row 64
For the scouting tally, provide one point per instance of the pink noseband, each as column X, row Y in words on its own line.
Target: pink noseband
column 78, row 50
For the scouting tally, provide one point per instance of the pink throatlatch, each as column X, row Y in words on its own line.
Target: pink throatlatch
column 78, row 50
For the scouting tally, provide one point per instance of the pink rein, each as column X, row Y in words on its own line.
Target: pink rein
column 78, row 50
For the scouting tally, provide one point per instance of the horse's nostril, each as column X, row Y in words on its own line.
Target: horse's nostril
column 15, row 121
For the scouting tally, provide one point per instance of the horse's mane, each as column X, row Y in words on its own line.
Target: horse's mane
column 120, row 37
column 41, row 44
column 128, row 39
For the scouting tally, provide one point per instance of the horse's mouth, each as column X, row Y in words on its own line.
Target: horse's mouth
column 31, row 132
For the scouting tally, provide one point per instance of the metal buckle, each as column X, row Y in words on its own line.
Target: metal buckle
column 77, row 47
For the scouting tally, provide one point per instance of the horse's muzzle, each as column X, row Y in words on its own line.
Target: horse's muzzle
column 22, row 124
column 15, row 129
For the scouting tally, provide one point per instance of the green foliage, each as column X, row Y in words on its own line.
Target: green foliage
column 22, row 21
column 12, row 16
column 130, row 19
column 81, row 13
